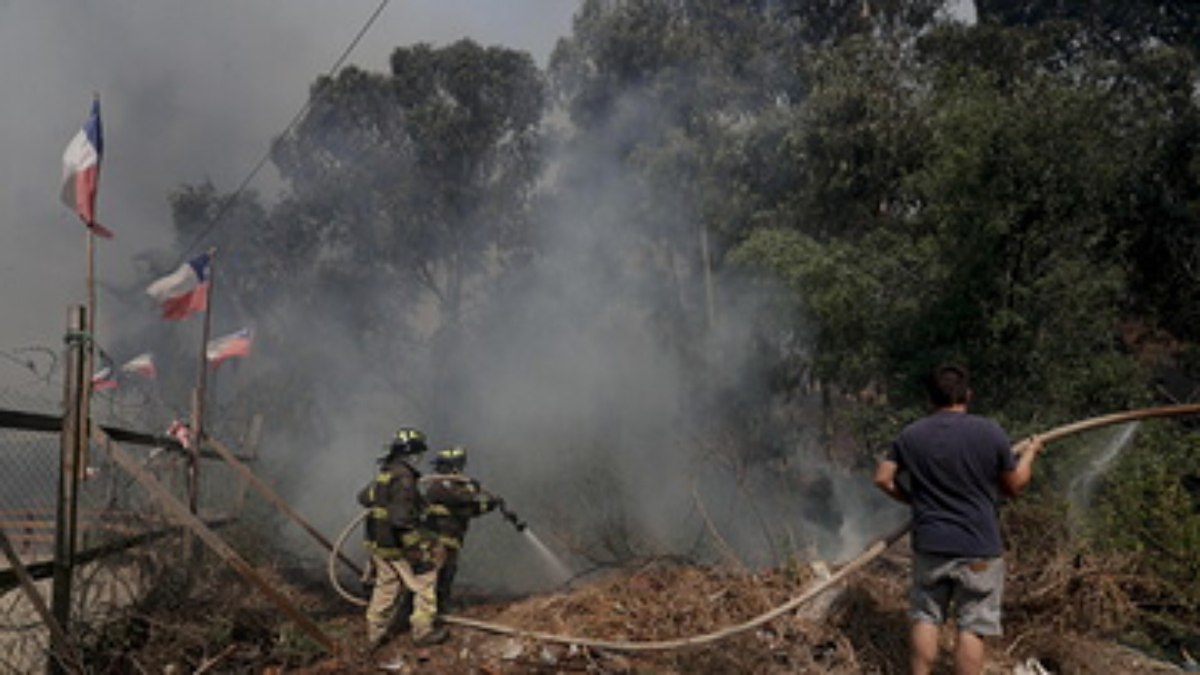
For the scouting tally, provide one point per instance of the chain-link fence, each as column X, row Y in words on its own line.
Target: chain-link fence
column 125, row 540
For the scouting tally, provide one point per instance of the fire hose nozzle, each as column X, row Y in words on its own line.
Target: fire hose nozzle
column 514, row 519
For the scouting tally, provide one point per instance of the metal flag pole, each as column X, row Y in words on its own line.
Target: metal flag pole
column 198, row 395
column 89, row 331
column 89, row 353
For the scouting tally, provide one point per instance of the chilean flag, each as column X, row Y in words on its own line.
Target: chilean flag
column 103, row 379
column 81, row 171
column 229, row 346
column 184, row 291
column 180, row 432
column 142, row 364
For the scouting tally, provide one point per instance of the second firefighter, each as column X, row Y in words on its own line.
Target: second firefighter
column 452, row 499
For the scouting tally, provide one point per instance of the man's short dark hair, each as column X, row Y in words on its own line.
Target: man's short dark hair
column 949, row 385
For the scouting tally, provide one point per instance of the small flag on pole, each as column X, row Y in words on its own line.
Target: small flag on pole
column 142, row 364
column 81, row 171
column 180, row 432
column 184, row 291
column 229, row 346
column 103, row 379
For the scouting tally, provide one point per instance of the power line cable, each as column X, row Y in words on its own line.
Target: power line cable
column 266, row 155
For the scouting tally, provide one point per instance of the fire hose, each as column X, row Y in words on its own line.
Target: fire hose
column 336, row 552
column 871, row 553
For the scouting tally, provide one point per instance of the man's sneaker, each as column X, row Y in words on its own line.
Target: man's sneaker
column 435, row 636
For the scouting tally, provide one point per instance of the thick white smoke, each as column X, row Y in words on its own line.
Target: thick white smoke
column 578, row 406
column 189, row 91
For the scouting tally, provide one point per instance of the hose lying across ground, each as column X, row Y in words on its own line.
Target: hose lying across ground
column 871, row 553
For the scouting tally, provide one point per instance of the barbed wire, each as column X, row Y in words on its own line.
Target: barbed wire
column 43, row 367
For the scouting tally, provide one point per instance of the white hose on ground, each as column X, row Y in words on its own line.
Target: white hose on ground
column 331, row 564
column 871, row 553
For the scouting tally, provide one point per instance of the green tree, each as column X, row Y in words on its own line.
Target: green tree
column 1160, row 216
column 699, row 101
column 1145, row 508
column 413, row 187
column 929, row 217
column 419, row 176
column 1126, row 26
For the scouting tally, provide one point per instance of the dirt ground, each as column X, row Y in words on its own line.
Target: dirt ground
column 1062, row 619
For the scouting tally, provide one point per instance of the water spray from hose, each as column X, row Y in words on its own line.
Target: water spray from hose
column 561, row 574
column 1083, row 484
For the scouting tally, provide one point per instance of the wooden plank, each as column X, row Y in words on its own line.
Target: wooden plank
column 29, row 421
column 33, row 524
column 30, row 536
column 269, row 493
column 181, row 513
column 44, row 569
column 48, row 535
column 83, row 525
column 107, row 514
column 28, row 511
column 69, row 655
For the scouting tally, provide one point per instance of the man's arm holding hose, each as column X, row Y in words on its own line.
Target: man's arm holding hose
column 1013, row 482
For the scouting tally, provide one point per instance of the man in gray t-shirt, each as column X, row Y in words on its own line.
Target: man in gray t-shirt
column 953, row 460
column 957, row 465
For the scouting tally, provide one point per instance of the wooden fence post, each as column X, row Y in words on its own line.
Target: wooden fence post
column 62, row 651
column 73, row 436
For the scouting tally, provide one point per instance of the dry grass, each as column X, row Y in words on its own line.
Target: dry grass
column 1063, row 609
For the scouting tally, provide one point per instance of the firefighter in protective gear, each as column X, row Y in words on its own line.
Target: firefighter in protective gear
column 404, row 555
column 452, row 499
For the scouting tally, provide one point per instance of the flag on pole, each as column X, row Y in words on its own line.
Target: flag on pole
column 142, row 364
column 229, row 346
column 180, row 432
column 184, row 291
column 104, row 379
column 81, row 171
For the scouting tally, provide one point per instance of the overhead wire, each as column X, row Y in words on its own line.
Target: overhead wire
column 230, row 200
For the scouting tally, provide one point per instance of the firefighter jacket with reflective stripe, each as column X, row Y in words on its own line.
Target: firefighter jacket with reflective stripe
column 451, row 501
column 395, row 509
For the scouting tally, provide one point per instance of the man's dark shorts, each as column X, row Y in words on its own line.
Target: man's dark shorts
column 971, row 587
